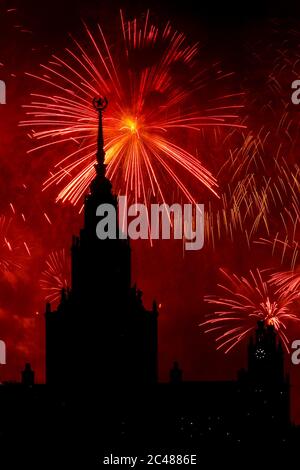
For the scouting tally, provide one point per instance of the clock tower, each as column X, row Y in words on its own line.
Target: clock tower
column 264, row 386
column 265, row 356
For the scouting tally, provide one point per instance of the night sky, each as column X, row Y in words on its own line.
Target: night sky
column 247, row 43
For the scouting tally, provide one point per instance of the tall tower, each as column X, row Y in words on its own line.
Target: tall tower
column 100, row 334
column 266, row 388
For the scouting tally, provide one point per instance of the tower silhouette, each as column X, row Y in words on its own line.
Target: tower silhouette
column 100, row 334
column 27, row 376
column 265, row 384
column 265, row 356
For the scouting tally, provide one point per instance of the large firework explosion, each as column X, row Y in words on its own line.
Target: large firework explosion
column 243, row 302
column 151, row 78
column 145, row 79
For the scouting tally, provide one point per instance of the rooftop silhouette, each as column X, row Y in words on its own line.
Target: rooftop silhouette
column 102, row 388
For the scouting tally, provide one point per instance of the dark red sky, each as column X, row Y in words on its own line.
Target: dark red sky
column 29, row 36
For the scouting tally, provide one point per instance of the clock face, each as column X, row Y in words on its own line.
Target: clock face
column 260, row 353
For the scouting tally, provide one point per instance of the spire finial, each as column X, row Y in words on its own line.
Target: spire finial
column 100, row 104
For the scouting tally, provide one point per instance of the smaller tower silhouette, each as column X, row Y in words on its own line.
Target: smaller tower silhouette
column 266, row 388
column 265, row 356
column 27, row 376
column 175, row 374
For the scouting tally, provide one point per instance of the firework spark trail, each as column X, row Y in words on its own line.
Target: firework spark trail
column 245, row 301
column 287, row 281
column 269, row 206
column 243, row 208
column 284, row 196
column 56, row 276
column 14, row 251
column 289, row 251
column 148, row 104
column 257, row 200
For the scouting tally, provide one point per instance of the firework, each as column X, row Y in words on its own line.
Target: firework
column 259, row 181
column 284, row 251
column 258, row 201
column 56, row 276
column 150, row 79
column 243, row 208
column 287, row 281
column 14, row 251
column 244, row 303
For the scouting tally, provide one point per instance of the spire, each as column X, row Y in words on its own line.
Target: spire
column 100, row 187
column 100, row 104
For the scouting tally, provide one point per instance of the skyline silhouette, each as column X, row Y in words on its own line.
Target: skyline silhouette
column 119, row 361
column 102, row 362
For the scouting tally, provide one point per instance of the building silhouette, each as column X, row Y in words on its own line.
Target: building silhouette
column 27, row 376
column 264, row 383
column 100, row 326
column 102, row 338
column 253, row 408
column 102, row 391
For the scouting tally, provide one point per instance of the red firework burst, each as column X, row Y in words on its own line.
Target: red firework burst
column 287, row 281
column 150, row 80
column 56, row 276
column 245, row 301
